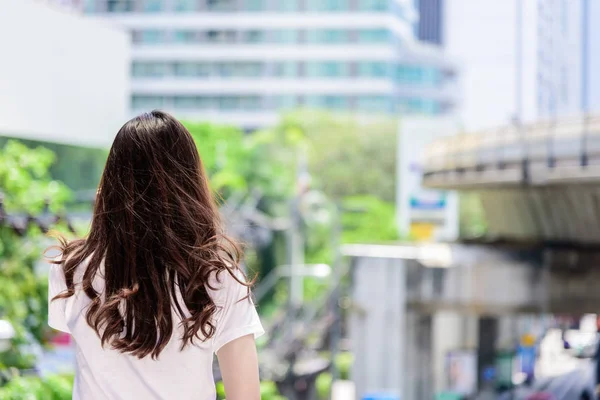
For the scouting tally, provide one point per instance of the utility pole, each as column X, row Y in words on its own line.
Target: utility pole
column 296, row 231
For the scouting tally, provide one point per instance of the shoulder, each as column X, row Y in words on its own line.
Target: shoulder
column 228, row 285
column 56, row 278
column 56, row 273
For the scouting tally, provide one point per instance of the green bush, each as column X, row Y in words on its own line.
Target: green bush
column 324, row 382
column 368, row 219
column 268, row 391
column 53, row 387
column 343, row 362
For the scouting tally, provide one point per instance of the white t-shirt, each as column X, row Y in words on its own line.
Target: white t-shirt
column 107, row 374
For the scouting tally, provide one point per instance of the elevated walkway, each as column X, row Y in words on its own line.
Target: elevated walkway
column 535, row 182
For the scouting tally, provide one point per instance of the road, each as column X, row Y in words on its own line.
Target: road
column 569, row 386
column 559, row 373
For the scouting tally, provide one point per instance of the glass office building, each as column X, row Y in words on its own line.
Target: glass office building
column 244, row 61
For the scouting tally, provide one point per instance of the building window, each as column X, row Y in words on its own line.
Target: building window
column 327, row 69
column 153, row 5
column 286, row 101
column 287, row 69
column 372, row 69
column 250, row 103
column 373, row 35
column 374, row 103
column 192, row 69
column 254, row 37
column 224, row 103
column 149, row 36
column 373, row 5
column 248, row 69
column 314, row 101
column 286, row 36
column 220, row 36
column 336, row 102
column 225, row 70
column 254, row 5
column 287, row 5
column 220, row 5
column 149, row 69
column 119, row 5
column 142, row 102
column 327, row 36
column 327, row 101
column 185, row 36
column 207, row 103
column 418, row 106
column 185, row 5
column 408, row 74
column 185, row 102
column 430, row 76
column 327, row 5
column 239, row 69
column 89, row 6
column 229, row 103
column 190, row 103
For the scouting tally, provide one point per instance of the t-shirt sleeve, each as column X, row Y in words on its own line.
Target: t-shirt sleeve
column 57, row 308
column 236, row 314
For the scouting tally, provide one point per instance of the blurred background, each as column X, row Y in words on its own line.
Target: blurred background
column 416, row 181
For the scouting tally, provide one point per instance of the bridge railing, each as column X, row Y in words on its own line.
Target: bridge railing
column 569, row 142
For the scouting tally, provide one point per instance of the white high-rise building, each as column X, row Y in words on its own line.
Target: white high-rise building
column 244, row 61
column 524, row 59
column 73, row 4
column 568, row 82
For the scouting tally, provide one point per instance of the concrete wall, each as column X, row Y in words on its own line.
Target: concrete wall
column 63, row 77
column 379, row 329
column 406, row 318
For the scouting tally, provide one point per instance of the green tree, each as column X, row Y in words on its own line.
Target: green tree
column 26, row 186
column 349, row 155
column 238, row 163
column 77, row 167
column 353, row 161
column 368, row 219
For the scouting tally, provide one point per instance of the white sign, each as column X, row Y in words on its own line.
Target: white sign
column 435, row 212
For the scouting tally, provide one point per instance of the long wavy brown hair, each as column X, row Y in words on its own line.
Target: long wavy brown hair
column 156, row 230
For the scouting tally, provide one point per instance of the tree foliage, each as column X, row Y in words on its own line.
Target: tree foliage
column 239, row 164
column 54, row 387
column 368, row 219
column 77, row 167
column 349, row 155
column 26, row 186
column 353, row 161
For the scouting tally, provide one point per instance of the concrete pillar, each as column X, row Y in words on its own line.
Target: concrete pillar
column 419, row 373
column 447, row 336
column 378, row 328
column 451, row 331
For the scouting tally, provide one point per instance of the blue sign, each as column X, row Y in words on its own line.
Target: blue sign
column 428, row 202
column 381, row 396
